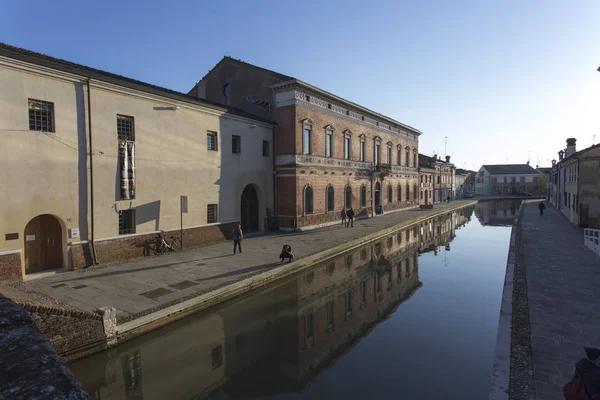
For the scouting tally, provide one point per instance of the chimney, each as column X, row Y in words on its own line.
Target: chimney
column 435, row 156
column 554, row 163
column 560, row 155
column 448, row 159
column 570, row 147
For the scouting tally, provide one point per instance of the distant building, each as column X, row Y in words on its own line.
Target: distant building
column 574, row 184
column 426, row 177
column 507, row 179
column 461, row 181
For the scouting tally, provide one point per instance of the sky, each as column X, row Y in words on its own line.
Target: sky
column 504, row 81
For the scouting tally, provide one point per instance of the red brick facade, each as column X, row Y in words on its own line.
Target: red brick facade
column 10, row 267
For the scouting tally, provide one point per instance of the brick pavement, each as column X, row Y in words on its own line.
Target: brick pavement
column 563, row 282
column 126, row 286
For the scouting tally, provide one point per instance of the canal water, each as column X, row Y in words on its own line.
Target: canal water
column 411, row 316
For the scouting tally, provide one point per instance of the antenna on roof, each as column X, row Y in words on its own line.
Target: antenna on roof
column 445, row 145
column 528, row 156
column 593, row 140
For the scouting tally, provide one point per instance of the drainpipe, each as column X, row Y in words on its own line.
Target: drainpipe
column 89, row 101
column 275, row 206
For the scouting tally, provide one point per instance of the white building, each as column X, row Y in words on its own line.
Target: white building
column 92, row 166
column 507, row 179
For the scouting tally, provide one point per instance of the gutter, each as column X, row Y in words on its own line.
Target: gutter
column 275, row 205
column 89, row 101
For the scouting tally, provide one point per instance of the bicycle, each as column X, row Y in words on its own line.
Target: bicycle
column 161, row 246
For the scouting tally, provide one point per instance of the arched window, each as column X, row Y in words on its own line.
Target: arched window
column 407, row 192
column 308, row 200
column 390, row 194
column 415, row 191
column 330, row 200
column 399, row 154
column 399, row 192
column 363, row 196
column 407, row 158
column 415, row 159
column 348, row 197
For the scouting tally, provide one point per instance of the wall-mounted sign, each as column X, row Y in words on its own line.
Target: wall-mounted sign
column 74, row 232
column 184, row 204
column 29, row 238
column 11, row 236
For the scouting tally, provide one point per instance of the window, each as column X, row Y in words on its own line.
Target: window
column 399, row 156
column 363, row 292
column 309, row 325
column 41, row 115
column 389, row 155
column 307, row 141
column 376, row 287
column 347, row 148
column 329, row 144
column 348, row 302
column 399, row 192
column 399, row 271
column 362, row 150
column 217, row 357
column 522, row 179
column 415, row 191
column 415, row 159
column 363, row 196
column 236, row 144
column 265, row 148
column 348, row 197
column 399, row 237
column 330, row 316
column 390, row 277
column 438, row 179
column 377, row 153
column 308, row 200
column 330, row 201
column 126, row 222
column 407, row 192
column 211, row 213
column 390, row 191
column 408, row 157
column 211, row 141
column 126, row 139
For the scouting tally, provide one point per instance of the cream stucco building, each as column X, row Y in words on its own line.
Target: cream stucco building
column 93, row 166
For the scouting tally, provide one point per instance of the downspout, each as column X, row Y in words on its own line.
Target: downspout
column 89, row 101
column 275, row 205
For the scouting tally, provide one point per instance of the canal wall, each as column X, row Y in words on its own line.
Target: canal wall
column 147, row 323
column 29, row 366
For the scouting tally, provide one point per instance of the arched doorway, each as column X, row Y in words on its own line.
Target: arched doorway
column 249, row 209
column 43, row 244
column 377, row 193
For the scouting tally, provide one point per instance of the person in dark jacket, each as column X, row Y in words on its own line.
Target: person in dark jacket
column 343, row 216
column 541, row 206
column 238, row 236
column 350, row 214
column 286, row 252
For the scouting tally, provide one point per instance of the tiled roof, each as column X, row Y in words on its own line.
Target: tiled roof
column 509, row 169
column 44, row 60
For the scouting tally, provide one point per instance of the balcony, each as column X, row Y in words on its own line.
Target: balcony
column 382, row 167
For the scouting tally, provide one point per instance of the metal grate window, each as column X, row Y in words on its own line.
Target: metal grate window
column 211, row 141
column 236, row 144
column 211, row 213
column 125, row 128
column 41, row 115
column 126, row 222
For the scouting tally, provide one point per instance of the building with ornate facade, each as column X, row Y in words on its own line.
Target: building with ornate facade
column 331, row 153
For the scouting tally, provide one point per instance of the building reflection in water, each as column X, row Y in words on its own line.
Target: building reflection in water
column 497, row 212
column 280, row 339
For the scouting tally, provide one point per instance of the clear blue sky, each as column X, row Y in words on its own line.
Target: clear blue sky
column 499, row 78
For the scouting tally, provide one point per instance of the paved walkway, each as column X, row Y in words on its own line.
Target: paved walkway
column 563, row 282
column 147, row 283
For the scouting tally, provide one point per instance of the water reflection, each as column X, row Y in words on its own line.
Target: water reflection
column 280, row 339
column 497, row 212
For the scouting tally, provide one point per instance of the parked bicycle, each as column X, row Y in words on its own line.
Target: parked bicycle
column 161, row 246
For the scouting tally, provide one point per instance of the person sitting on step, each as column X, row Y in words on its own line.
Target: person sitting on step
column 286, row 252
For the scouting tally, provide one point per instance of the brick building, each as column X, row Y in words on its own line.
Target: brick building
column 331, row 153
column 427, row 173
column 443, row 177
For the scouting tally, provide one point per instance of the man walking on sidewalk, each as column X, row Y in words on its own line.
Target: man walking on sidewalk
column 541, row 206
column 238, row 236
column 350, row 215
column 343, row 216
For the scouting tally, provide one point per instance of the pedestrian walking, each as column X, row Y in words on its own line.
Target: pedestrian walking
column 541, row 206
column 238, row 236
column 448, row 199
column 350, row 215
column 343, row 216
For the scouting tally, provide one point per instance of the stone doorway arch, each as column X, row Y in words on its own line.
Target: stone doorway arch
column 43, row 244
column 249, row 215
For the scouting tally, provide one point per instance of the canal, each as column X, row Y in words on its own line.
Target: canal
column 412, row 315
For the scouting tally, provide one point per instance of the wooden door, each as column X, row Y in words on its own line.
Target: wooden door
column 43, row 244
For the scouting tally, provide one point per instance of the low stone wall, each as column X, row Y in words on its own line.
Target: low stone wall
column 29, row 366
column 10, row 267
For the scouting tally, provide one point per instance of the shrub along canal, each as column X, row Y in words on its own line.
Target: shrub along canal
column 412, row 315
